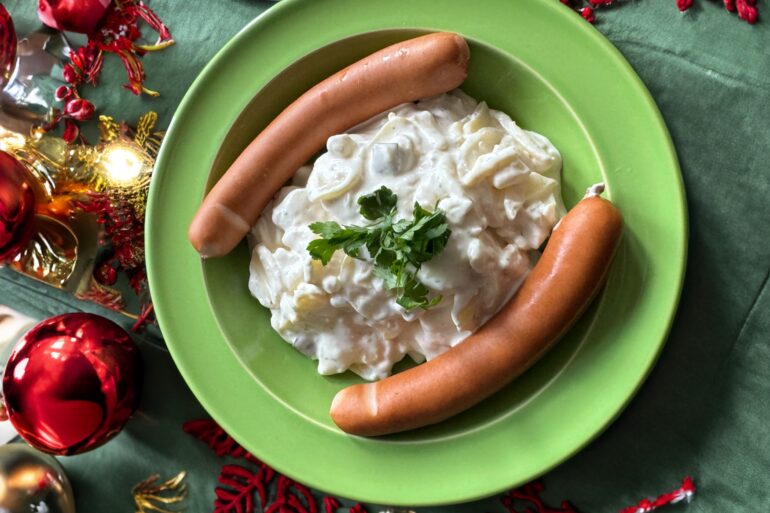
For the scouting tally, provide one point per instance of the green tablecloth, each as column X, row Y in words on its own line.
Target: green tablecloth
column 704, row 410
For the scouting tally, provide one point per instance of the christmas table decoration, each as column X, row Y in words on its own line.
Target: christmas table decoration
column 78, row 224
column 746, row 9
column 150, row 495
column 7, row 46
column 250, row 483
column 72, row 382
column 33, row 482
column 88, row 202
column 112, row 27
column 17, row 206
column 68, row 245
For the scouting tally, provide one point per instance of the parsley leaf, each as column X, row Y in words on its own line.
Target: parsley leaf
column 380, row 203
column 334, row 237
column 396, row 248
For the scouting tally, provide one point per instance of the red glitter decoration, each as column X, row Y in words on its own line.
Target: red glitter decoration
column 124, row 231
column 17, row 207
column 72, row 382
column 106, row 274
column 683, row 493
column 117, row 33
column 746, row 9
column 531, row 493
column 239, row 484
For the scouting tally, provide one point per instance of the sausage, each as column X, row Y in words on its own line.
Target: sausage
column 404, row 72
column 568, row 275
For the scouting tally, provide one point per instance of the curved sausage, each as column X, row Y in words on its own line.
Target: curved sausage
column 568, row 275
column 404, row 72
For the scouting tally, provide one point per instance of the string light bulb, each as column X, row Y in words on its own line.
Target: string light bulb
column 123, row 163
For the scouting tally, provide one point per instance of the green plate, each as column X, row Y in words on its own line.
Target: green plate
column 552, row 72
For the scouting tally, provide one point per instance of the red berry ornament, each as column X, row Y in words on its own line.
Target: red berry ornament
column 72, row 382
column 73, row 15
column 79, row 109
column 17, row 207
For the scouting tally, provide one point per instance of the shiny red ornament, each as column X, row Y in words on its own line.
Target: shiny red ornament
column 72, row 382
column 73, row 15
column 7, row 46
column 17, row 207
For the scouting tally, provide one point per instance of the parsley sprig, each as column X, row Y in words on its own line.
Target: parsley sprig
column 397, row 248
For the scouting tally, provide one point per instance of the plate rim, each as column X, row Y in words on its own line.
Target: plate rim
column 165, row 154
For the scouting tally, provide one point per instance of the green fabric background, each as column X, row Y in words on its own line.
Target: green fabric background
column 705, row 409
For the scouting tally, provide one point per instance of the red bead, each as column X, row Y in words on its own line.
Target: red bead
column 683, row 5
column 17, row 207
column 72, row 382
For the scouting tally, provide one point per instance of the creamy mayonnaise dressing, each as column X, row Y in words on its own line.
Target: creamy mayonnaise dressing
column 499, row 187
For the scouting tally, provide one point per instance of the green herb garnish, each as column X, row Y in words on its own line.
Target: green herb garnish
column 397, row 248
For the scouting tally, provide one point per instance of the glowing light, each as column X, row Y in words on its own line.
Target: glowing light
column 122, row 164
column 10, row 140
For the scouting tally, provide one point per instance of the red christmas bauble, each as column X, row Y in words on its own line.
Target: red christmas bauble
column 72, row 382
column 17, row 207
column 7, row 46
column 73, row 15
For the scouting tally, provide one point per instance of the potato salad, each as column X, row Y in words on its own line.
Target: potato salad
column 497, row 186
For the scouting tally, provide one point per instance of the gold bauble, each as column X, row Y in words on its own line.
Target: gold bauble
column 31, row 481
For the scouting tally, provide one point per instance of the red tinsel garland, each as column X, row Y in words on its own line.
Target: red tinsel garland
column 240, row 485
column 125, row 232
